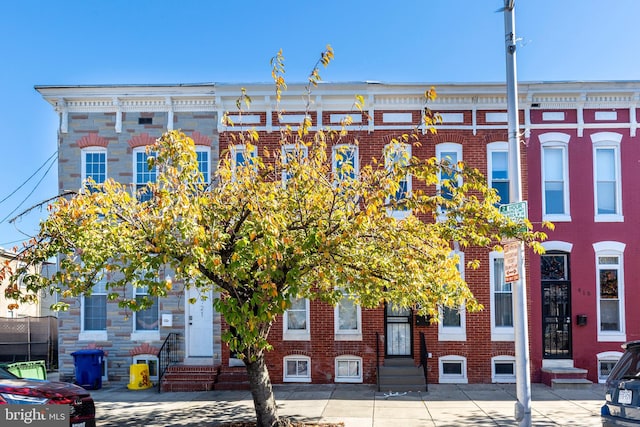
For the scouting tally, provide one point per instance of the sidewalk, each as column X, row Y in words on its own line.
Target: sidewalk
column 355, row 405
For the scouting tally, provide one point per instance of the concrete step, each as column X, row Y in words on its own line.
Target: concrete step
column 401, row 375
column 570, row 383
column 550, row 374
column 399, row 361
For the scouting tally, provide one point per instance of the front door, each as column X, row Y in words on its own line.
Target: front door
column 399, row 335
column 199, row 324
column 556, row 306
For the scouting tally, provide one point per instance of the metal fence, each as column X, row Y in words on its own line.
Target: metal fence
column 29, row 338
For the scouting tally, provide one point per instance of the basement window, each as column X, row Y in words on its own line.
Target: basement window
column 503, row 369
column 151, row 361
column 453, row 369
column 348, row 369
column 297, row 369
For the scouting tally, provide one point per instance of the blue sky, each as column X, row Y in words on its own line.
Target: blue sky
column 72, row 42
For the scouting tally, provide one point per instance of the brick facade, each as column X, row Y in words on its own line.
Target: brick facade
column 474, row 116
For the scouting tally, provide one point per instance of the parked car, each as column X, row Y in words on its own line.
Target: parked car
column 15, row 390
column 622, row 407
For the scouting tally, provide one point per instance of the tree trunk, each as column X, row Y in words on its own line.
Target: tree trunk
column 262, row 392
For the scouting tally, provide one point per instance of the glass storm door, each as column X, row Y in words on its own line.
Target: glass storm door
column 398, row 336
column 556, row 306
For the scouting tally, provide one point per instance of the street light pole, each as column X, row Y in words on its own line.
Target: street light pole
column 520, row 323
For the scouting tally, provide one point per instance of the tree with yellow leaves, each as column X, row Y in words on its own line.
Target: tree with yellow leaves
column 274, row 229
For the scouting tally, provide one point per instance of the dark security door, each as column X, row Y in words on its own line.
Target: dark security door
column 399, row 336
column 556, row 306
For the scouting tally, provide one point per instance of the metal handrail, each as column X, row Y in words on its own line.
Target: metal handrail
column 424, row 357
column 378, row 360
column 167, row 355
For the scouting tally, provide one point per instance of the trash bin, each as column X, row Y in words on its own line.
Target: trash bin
column 34, row 369
column 88, row 368
column 139, row 377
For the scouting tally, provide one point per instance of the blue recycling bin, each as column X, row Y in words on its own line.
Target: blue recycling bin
column 88, row 368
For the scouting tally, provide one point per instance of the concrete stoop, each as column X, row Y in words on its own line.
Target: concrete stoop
column 565, row 378
column 401, row 375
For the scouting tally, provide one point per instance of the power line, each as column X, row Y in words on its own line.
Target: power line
column 51, row 160
column 55, row 153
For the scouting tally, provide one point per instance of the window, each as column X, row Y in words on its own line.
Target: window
column 151, row 361
column 297, row 369
column 452, row 325
column 348, row 320
column 345, row 162
column 503, row 369
column 610, row 286
column 143, row 175
column 397, row 154
column 451, row 153
column 606, row 361
column 93, row 322
column 501, row 300
column 453, row 369
column 348, row 369
column 241, row 155
column 94, row 165
column 555, row 176
column 145, row 320
column 498, row 169
column 203, row 155
column 606, row 175
column 296, row 321
column 290, row 152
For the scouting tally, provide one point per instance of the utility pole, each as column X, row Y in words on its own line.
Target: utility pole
column 520, row 321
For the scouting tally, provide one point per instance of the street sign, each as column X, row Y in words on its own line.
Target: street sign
column 511, row 264
column 517, row 212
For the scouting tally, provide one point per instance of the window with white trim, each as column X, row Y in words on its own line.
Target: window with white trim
column 498, row 169
column 146, row 320
column 452, row 324
column 606, row 361
column 151, row 361
column 242, row 155
column 501, row 300
column 143, row 175
column 297, row 369
column 453, row 369
column 296, row 321
column 345, row 162
column 94, row 165
column 503, row 369
column 348, row 369
column 203, row 156
column 291, row 152
column 610, row 291
column 555, row 176
column 452, row 154
column 398, row 155
column 607, row 185
column 348, row 320
column 93, row 321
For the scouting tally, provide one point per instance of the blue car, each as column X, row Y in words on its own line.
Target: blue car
column 622, row 407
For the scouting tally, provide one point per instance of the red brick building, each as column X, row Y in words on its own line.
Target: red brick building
column 578, row 161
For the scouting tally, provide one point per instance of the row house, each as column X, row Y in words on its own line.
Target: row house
column 579, row 154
